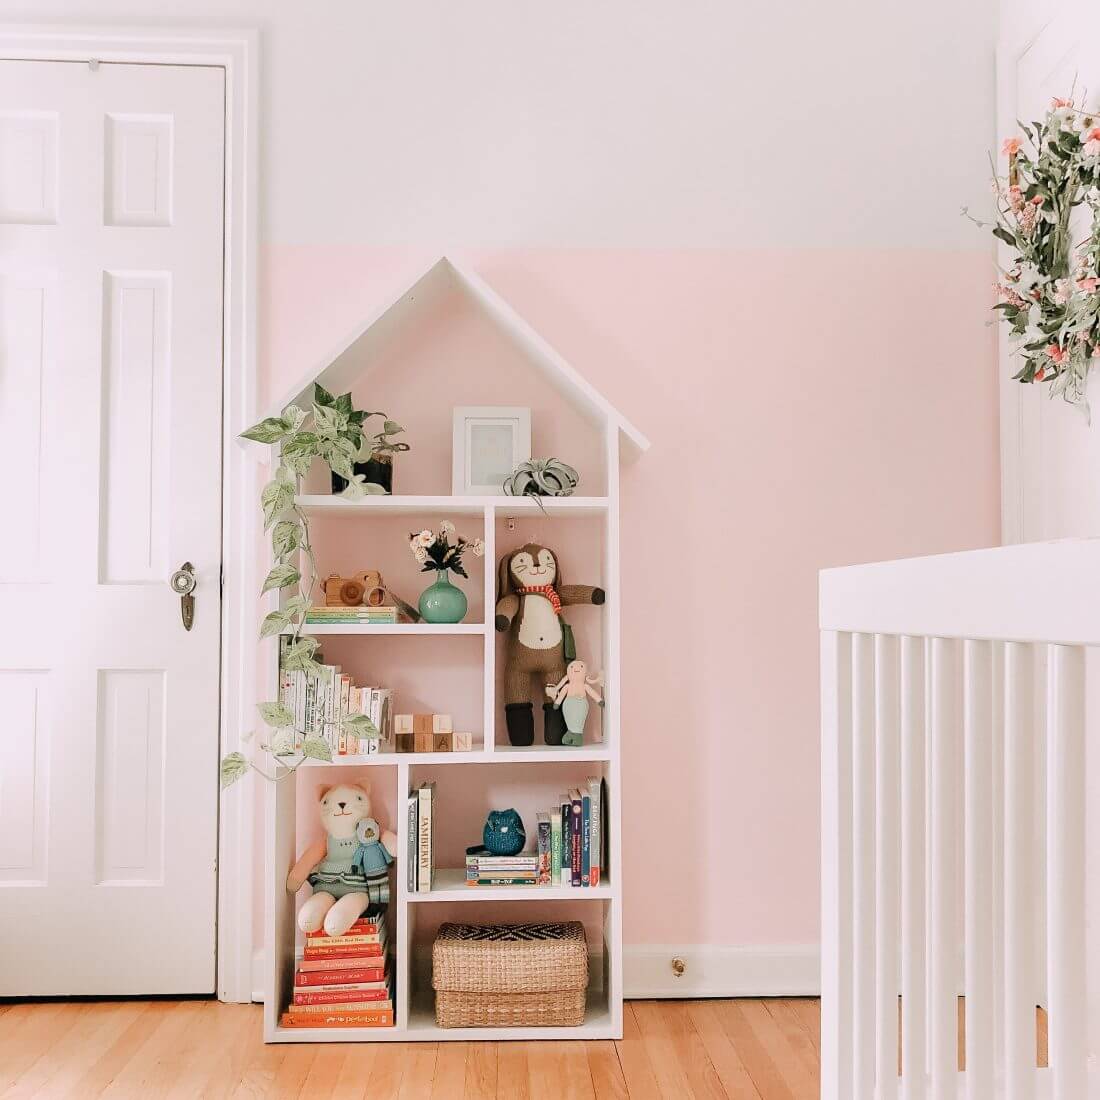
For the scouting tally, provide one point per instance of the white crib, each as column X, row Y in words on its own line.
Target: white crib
column 954, row 859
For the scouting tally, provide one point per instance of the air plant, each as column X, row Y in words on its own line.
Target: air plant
column 541, row 477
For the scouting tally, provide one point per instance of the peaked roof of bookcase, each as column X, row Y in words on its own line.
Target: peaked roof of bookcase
column 338, row 371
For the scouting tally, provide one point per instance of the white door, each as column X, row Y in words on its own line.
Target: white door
column 111, row 181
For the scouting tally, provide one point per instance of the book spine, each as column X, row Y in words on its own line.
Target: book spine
column 352, row 940
column 424, row 845
column 502, row 881
column 411, row 840
column 360, row 1004
column 566, row 840
column 377, row 1018
column 320, row 978
column 575, row 828
column 597, row 830
column 586, row 838
column 340, row 996
column 363, row 951
column 555, row 847
column 543, row 829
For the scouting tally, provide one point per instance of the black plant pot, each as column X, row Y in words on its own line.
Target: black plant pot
column 377, row 470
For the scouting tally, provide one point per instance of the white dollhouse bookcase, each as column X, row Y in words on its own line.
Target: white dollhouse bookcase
column 448, row 321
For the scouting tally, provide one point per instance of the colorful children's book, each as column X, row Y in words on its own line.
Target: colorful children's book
column 555, row 846
column 596, row 846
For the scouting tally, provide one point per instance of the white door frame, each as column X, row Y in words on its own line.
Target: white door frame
column 236, row 51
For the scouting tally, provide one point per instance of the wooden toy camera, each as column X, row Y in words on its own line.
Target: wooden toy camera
column 362, row 588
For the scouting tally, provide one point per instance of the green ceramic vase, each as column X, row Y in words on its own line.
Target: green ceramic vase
column 442, row 602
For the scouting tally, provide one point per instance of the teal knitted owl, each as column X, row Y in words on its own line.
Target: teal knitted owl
column 504, row 834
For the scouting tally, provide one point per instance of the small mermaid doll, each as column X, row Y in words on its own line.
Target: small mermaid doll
column 571, row 693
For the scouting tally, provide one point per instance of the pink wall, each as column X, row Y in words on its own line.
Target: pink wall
column 807, row 409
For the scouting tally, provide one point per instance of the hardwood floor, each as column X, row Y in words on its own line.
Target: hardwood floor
column 671, row 1050
column 741, row 1050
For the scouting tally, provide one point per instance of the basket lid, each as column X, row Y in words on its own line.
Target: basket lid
column 504, row 958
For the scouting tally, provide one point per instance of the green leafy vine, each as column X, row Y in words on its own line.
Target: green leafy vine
column 331, row 431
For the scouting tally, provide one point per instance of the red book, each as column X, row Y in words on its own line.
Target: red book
column 340, row 996
column 361, row 927
column 381, row 1017
column 361, row 951
column 345, row 976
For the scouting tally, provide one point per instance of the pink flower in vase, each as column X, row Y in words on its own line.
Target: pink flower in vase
column 1056, row 354
column 1057, row 104
column 1088, row 286
column 1011, row 146
column 1090, row 139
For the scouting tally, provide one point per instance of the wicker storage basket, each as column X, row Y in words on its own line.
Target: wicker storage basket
column 510, row 975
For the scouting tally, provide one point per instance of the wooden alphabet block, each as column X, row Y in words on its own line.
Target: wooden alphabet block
column 441, row 742
column 462, row 742
column 405, row 742
column 441, row 723
column 424, row 742
column 422, row 723
column 403, row 723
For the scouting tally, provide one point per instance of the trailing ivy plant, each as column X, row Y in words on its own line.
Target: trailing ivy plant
column 331, row 431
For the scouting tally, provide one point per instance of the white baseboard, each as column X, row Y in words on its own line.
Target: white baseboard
column 709, row 971
column 716, row 971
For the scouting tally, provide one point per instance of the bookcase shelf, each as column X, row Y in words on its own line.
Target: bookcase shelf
column 450, row 885
column 394, row 629
column 585, row 529
column 529, row 755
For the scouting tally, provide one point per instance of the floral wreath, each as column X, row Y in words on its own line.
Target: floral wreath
column 1050, row 295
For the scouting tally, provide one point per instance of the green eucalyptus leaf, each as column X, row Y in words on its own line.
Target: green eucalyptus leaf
column 274, row 623
column 359, row 725
column 317, row 748
column 281, row 576
column 286, row 537
column 296, row 606
column 270, row 430
column 293, row 417
column 232, row 768
column 276, row 498
column 275, row 715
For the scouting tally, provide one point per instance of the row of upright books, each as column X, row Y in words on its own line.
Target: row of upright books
column 570, row 845
column 344, row 981
column 420, row 837
column 320, row 703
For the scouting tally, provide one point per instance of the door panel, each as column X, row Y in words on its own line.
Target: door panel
column 111, row 206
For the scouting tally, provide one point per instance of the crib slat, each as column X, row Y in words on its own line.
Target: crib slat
column 978, row 660
column 836, row 866
column 943, row 872
column 1019, row 873
column 914, row 990
column 863, row 869
column 887, row 883
column 1066, row 871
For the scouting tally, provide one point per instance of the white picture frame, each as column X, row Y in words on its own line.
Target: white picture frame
column 489, row 442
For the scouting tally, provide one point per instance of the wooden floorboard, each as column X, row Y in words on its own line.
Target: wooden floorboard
column 164, row 1050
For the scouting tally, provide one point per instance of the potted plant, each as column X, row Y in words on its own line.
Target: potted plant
column 443, row 602
column 373, row 453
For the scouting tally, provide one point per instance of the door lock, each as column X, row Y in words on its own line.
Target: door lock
column 183, row 583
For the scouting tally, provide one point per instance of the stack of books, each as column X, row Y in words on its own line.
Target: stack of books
column 343, row 981
column 420, row 838
column 319, row 703
column 354, row 616
column 485, row 869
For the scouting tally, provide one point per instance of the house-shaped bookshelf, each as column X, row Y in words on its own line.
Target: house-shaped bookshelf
column 444, row 340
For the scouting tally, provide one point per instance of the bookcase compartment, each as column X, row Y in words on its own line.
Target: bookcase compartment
column 579, row 543
column 463, row 799
column 346, row 547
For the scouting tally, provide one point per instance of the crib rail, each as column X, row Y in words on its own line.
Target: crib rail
column 953, row 813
